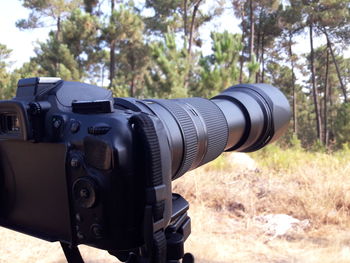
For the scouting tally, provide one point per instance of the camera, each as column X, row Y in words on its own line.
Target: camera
column 81, row 167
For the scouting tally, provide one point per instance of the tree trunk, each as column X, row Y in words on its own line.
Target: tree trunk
column 112, row 63
column 185, row 19
column 251, row 19
column 195, row 10
column 112, row 6
column 112, row 54
column 190, row 40
column 325, row 114
column 58, row 32
column 133, row 75
column 133, row 86
column 257, row 52
column 263, row 59
column 241, row 60
column 295, row 124
column 102, row 74
column 314, row 91
column 336, row 66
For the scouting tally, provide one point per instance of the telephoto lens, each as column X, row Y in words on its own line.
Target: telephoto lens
column 242, row 118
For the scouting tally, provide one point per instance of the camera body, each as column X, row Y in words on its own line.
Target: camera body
column 81, row 167
column 73, row 167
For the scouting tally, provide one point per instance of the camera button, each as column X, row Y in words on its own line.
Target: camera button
column 99, row 129
column 78, row 217
column 74, row 126
column 84, row 191
column 57, row 122
column 80, row 235
column 74, row 162
column 97, row 231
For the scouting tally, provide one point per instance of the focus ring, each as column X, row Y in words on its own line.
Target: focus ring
column 216, row 126
column 189, row 133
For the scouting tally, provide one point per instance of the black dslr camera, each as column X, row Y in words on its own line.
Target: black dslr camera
column 81, row 167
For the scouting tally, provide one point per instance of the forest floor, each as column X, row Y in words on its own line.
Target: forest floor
column 227, row 200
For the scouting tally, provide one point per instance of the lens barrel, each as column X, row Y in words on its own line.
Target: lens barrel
column 257, row 114
column 242, row 118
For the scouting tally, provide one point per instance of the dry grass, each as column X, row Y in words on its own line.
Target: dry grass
column 224, row 200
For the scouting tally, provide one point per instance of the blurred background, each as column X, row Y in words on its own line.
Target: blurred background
column 289, row 202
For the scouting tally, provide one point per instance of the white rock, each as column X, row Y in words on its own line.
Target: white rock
column 241, row 161
column 278, row 225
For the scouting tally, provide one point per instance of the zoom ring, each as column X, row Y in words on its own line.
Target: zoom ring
column 189, row 132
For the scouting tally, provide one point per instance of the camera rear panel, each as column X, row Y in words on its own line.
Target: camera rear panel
column 34, row 198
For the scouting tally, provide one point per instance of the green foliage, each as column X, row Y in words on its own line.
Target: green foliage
column 4, row 75
column 7, row 81
column 167, row 75
column 56, row 10
column 165, row 16
column 341, row 124
column 219, row 70
column 218, row 164
column 80, row 34
column 318, row 146
column 128, row 52
column 56, row 60
column 123, row 25
column 253, row 68
column 278, row 159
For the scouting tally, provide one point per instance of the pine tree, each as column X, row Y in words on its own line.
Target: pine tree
column 291, row 24
column 219, row 70
column 56, row 60
column 56, row 10
column 260, row 23
column 169, row 69
column 80, row 32
column 124, row 29
column 6, row 89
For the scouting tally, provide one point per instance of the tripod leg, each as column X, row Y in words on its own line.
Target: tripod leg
column 72, row 253
column 188, row 258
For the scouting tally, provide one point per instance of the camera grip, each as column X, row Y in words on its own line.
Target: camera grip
column 150, row 165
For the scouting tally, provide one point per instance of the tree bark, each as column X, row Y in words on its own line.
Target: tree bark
column 112, row 54
column 58, row 32
column 185, row 19
column 257, row 52
column 263, row 59
column 314, row 91
column 295, row 124
column 329, row 44
column 241, row 60
column 326, row 92
column 112, row 63
column 190, row 40
column 251, row 19
column 112, row 6
column 133, row 76
column 195, row 9
column 257, row 49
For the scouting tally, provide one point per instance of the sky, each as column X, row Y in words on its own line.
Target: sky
column 23, row 43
